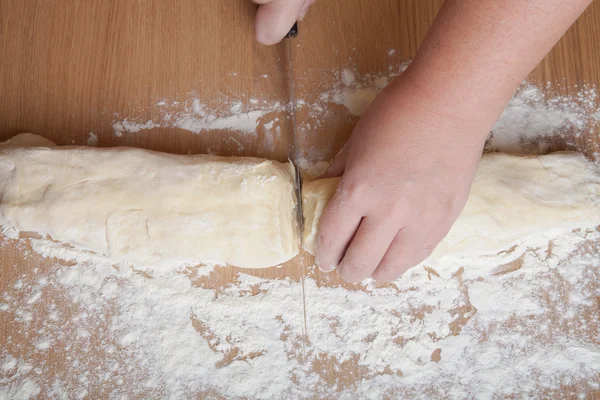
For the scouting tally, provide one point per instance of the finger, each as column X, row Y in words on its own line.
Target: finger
column 275, row 18
column 338, row 165
column 367, row 249
column 337, row 226
column 407, row 250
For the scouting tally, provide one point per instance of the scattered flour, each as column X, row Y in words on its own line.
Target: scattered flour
column 92, row 139
column 531, row 123
column 269, row 125
column 531, row 119
column 127, row 126
column 196, row 117
column 474, row 327
column 242, row 122
column 356, row 95
column 312, row 171
column 530, row 115
column 348, row 77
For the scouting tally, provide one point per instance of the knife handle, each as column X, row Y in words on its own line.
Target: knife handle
column 293, row 32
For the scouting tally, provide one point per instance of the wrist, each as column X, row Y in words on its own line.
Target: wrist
column 465, row 96
column 443, row 114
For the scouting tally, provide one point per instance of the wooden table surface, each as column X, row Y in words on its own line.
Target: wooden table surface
column 74, row 67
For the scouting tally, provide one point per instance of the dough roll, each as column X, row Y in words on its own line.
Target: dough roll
column 149, row 207
column 512, row 197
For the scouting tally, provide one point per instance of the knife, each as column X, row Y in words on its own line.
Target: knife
column 293, row 156
column 293, row 151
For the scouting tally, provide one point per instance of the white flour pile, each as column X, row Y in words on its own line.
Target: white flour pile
column 532, row 120
column 196, row 117
column 524, row 323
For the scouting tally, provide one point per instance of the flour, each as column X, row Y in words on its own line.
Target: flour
column 530, row 123
column 127, row 126
column 193, row 116
column 349, row 89
column 169, row 336
column 355, row 94
column 241, row 122
column 531, row 119
column 92, row 139
column 348, row 77
column 312, row 171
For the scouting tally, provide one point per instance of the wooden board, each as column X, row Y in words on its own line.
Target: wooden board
column 74, row 67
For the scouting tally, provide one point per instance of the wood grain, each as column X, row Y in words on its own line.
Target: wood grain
column 71, row 67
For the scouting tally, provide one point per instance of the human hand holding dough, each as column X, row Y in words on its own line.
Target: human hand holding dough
column 410, row 160
column 406, row 176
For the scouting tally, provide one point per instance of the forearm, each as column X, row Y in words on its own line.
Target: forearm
column 477, row 52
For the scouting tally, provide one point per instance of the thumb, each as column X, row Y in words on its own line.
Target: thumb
column 275, row 18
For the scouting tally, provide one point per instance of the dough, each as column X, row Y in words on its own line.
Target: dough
column 512, row 197
column 315, row 196
column 148, row 207
column 27, row 140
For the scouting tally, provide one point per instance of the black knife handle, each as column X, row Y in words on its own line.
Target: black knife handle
column 293, row 32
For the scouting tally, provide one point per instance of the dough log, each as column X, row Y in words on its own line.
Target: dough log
column 512, row 198
column 148, row 207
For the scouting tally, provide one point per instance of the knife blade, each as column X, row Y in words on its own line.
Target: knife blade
column 293, row 151
column 293, row 156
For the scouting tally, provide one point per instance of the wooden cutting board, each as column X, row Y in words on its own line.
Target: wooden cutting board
column 74, row 67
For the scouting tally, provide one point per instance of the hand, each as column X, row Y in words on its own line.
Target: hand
column 275, row 18
column 407, row 171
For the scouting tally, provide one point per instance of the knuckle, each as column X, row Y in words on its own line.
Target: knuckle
column 427, row 249
column 397, row 212
column 357, row 267
column 387, row 268
column 353, row 271
column 387, row 272
column 353, row 190
column 323, row 243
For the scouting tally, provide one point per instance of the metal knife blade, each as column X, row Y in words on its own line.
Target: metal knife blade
column 293, row 151
column 294, row 155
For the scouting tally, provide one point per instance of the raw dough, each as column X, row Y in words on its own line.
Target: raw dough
column 512, row 197
column 315, row 196
column 148, row 207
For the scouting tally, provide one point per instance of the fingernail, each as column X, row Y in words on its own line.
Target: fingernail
column 326, row 269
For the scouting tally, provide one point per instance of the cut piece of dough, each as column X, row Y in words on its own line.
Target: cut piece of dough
column 512, row 197
column 315, row 196
column 148, row 207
